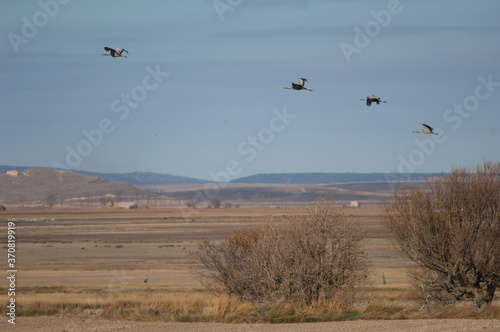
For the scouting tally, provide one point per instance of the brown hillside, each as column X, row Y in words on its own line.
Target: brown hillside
column 34, row 185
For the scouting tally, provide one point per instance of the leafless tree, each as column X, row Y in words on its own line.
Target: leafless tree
column 222, row 262
column 50, row 199
column 451, row 230
column 192, row 203
column 215, row 202
column 308, row 256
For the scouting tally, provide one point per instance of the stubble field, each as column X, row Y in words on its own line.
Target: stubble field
column 90, row 266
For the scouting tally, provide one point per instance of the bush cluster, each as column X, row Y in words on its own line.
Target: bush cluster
column 451, row 230
column 309, row 256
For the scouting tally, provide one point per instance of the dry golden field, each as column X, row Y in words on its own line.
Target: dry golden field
column 92, row 264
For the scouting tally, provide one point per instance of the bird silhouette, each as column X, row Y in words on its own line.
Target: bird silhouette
column 114, row 53
column 299, row 85
column 427, row 130
column 373, row 99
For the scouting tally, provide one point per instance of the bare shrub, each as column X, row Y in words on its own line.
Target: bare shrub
column 50, row 199
column 192, row 203
column 452, row 231
column 306, row 257
column 215, row 202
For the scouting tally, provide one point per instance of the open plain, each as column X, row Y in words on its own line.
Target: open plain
column 73, row 264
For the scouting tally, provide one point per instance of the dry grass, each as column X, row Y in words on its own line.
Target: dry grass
column 160, row 305
column 106, row 280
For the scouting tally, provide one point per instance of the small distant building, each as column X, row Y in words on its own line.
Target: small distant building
column 127, row 205
column 13, row 172
column 354, row 204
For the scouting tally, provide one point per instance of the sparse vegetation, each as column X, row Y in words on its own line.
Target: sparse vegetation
column 215, row 202
column 50, row 200
column 452, row 232
column 192, row 203
column 311, row 256
column 166, row 246
column 156, row 305
column 109, row 283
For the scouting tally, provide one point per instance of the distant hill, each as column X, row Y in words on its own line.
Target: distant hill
column 284, row 194
column 149, row 178
column 33, row 186
column 328, row 178
column 134, row 178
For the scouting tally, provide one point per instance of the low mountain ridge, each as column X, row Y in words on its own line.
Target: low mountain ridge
column 150, row 178
column 133, row 178
column 329, row 178
column 46, row 186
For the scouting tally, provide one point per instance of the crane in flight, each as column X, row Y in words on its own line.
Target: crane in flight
column 114, row 53
column 373, row 99
column 427, row 130
column 299, row 85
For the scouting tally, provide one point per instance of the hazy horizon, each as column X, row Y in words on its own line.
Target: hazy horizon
column 201, row 91
column 389, row 175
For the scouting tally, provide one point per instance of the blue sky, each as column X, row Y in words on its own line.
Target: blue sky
column 200, row 94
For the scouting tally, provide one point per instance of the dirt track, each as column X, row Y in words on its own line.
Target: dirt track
column 53, row 323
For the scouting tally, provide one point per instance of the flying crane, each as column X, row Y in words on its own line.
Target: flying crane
column 427, row 130
column 373, row 99
column 114, row 53
column 299, row 85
